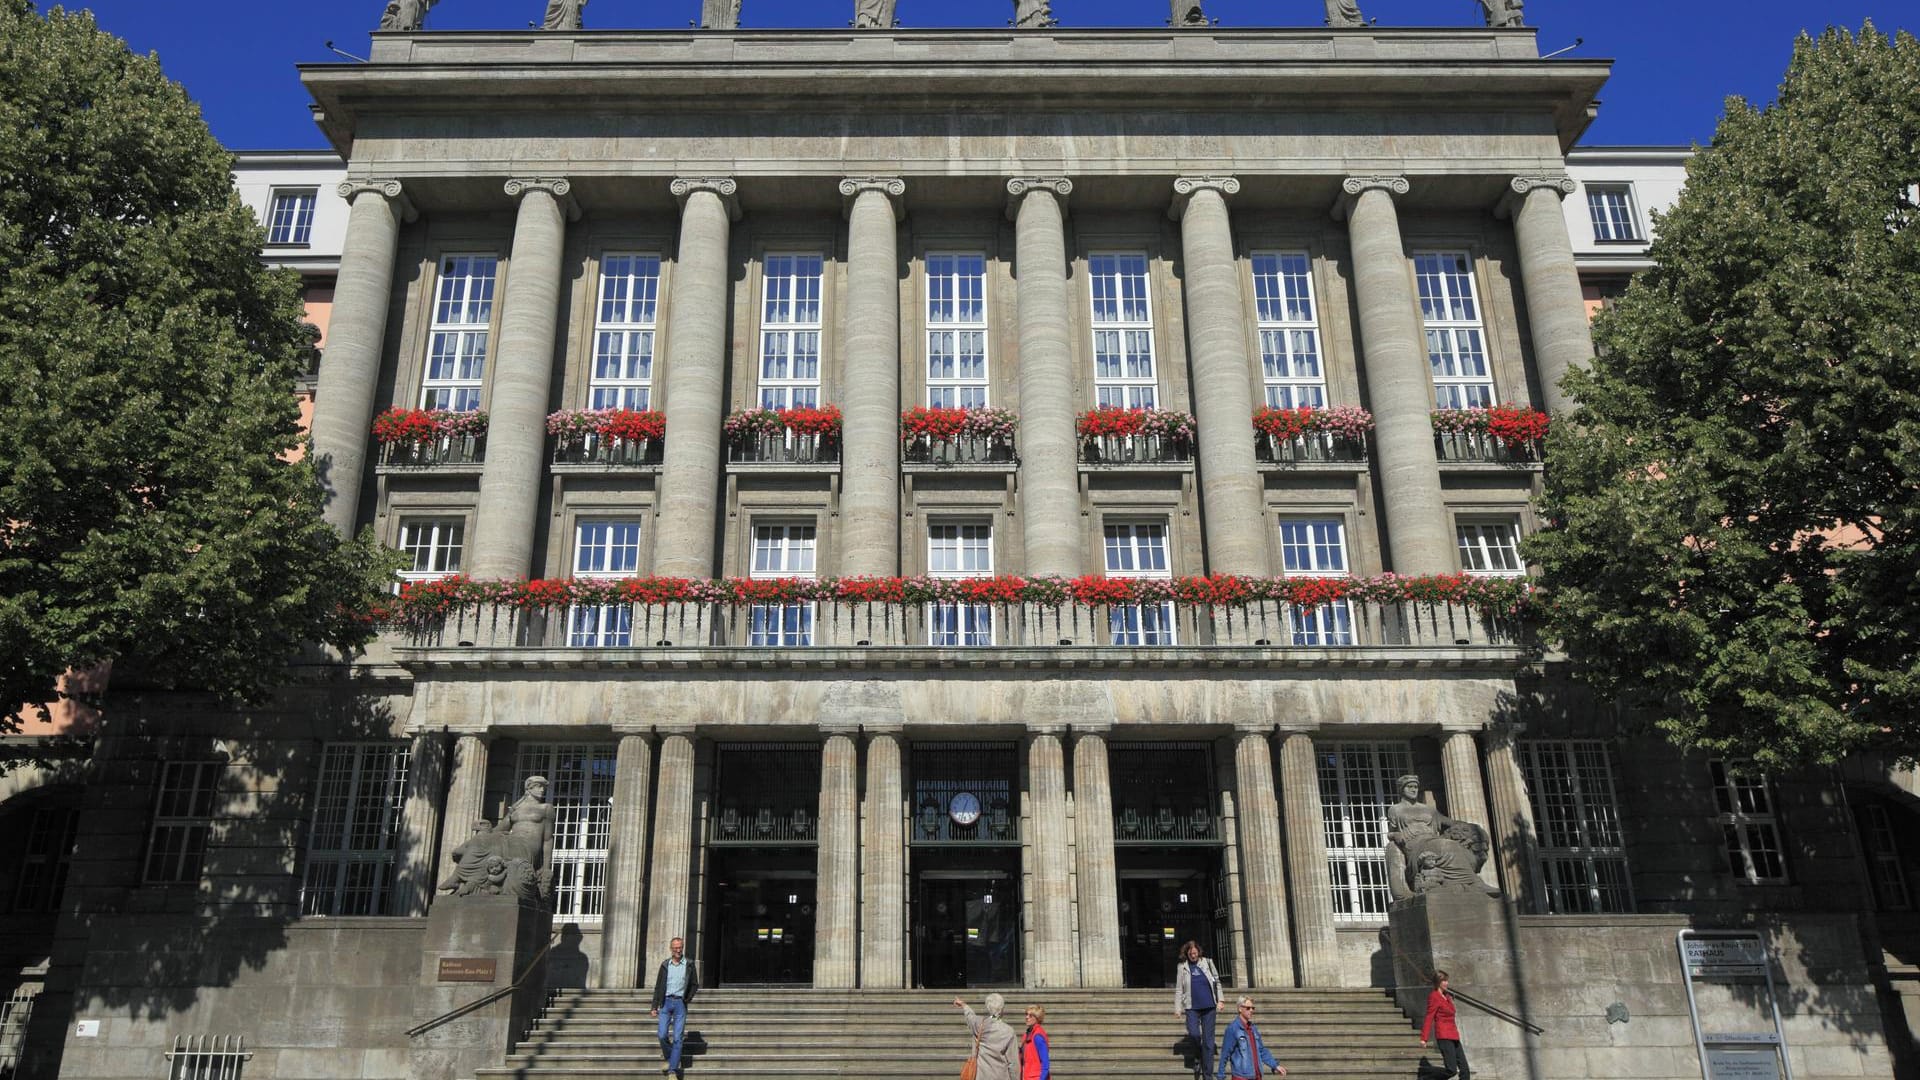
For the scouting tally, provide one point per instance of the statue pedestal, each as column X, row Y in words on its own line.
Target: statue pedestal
column 1470, row 936
column 476, row 946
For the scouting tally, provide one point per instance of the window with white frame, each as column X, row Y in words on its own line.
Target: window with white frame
column 1123, row 368
column 603, row 549
column 1582, row 856
column 790, row 332
column 44, row 861
column 182, row 821
column 1456, row 340
column 959, row 550
column 356, row 818
column 1316, row 547
column 457, row 341
column 1356, row 788
column 433, row 545
column 1289, row 333
column 290, row 216
column 580, row 804
column 623, row 333
column 1490, row 548
column 1138, row 549
column 782, row 551
column 1884, row 865
column 1611, row 208
column 956, row 331
column 1748, row 825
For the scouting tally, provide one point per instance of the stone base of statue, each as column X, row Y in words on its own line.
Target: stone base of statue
column 467, row 1011
column 1470, row 936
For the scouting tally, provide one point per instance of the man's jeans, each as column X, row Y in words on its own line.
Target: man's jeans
column 673, row 1018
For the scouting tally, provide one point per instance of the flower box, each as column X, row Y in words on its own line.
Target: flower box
column 612, row 437
column 801, row 436
column 1498, row 433
column 1338, row 434
column 1110, row 435
column 427, row 437
column 957, row 436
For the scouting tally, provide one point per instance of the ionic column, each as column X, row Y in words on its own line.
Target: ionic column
column 1053, row 960
column 1556, row 311
column 621, row 966
column 1094, row 862
column 466, row 803
column 670, row 885
column 356, row 336
column 1270, row 956
column 1466, row 796
column 870, row 395
column 883, row 870
column 1222, row 369
column 413, row 861
column 1049, row 451
column 1307, row 880
column 1399, row 382
column 1512, row 817
column 509, row 507
column 836, row 929
column 695, row 380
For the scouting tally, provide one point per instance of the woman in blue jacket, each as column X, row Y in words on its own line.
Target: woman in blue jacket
column 1242, row 1051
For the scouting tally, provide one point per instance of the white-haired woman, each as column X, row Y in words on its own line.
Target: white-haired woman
column 996, row 1049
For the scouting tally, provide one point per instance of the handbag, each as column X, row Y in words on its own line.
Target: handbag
column 972, row 1066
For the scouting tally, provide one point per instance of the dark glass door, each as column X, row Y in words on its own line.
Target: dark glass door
column 764, row 929
column 1160, row 911
column 967, row 931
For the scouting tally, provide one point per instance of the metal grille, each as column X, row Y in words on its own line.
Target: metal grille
column 1583, row 859
column 1163, row 793
column 985, row 771
column 14, row 1014
column 1356, row 787
column 580, row 791
column 769, row 794
column 207, row 1057
column 356, row 818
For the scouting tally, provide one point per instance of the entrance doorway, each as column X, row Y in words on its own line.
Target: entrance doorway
column 1167, row 898
column 762, row 925
column 965, row 838
column 966, row 928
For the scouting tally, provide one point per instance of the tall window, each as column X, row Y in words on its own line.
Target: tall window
column 457, row 346
column 1456, row 341
column 790, row 332
column 356, row 816
column 957, row 331
column 1747, row 823
column 1611, row 208
column 604, row 549
column 959, row 551
column 782, row 551
column 43, row 865
column 1582, row 856
column 1123, row 372
column 1882, row 847
column 182, row 822
column 1317, row 547
column 290, row 216
column 1139, row 550
column 433, row 544
column 1490, row 548
column 580, row 799
column 1289, row 333
column 623, row 333
column 1356, row 787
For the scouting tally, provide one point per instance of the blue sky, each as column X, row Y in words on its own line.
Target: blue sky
column 1675, row 60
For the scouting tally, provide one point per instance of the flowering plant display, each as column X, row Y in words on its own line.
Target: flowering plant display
column 1515, row 425
column 422, row 426
column 805, row 420
column 945, row 425
column 629, row 425
column 1346, row 421
column 1108, row 421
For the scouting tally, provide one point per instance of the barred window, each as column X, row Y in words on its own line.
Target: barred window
column 1456, row 340
column 1882, row 846
column 1139, row 550
column 956, row 331
column 624, row 332
column 1748, row 824
column 1123, row 367
column 182, row 822
column 356, row 820
column 580, row 796
column 457, row 341
column 1582, row 858
column 1289, row 333
column 43, row 864
column 290, row 216
column 1356, row 788
column 790, row 332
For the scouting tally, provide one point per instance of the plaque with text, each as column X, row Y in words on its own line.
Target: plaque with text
column 462, row 969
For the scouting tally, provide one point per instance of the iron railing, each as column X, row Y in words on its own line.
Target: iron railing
column 768, row 794
column 442, row 450
column 14, row 1014
column 613, row 453
column 1135, row 450
column 783, row 448
column 960, row 450
column 1311, row 447
column 207, row 1057
column 1480, row 446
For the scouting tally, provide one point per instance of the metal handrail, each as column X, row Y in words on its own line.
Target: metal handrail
column 490, row 997
column 1489, row 1008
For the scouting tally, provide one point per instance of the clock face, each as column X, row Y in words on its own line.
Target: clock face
column 964, row 808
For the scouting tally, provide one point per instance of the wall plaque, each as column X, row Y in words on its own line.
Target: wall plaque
column 464, row 969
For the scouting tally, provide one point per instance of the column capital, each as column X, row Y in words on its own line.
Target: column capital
column 559, row 187
column 1186, row 187
column 1018, row 187
column 1035, row 731
column 1089, row 731
column 893, row 187
column 386, row 187
column 830, row 728
column 633, row 731
column 1519, row 187
column 723, row 186
column 1354, row 186
column 1244, row 728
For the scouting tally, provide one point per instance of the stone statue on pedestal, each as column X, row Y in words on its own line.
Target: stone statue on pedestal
column 873, row 14
column 1427, row 851
column 1505, row 13
column 1033, row 15
column 565, row 15
column 1188, row 13
column 1344, row 13
column 510, row 859
column 405, row 14
column 719, row 14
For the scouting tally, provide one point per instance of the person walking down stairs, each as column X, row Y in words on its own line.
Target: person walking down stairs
column 996, row 1047
column 1440, row 1025
column 1196, row 994
column 1241, row 1050
column 673, row 988
column 1036, row 1057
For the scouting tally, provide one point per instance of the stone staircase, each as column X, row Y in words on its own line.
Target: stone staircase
column 756, row 1034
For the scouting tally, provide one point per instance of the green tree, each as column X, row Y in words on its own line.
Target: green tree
column 1732, row 541
column 148, row 511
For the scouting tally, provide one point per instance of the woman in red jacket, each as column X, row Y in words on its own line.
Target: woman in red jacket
column 1036, row 1063
column 1440, row 1024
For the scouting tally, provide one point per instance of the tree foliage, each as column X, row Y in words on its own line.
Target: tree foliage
column 1734, row 520
column 148, row 509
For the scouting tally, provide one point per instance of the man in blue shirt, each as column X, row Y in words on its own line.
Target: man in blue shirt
column 673, row 988
column 1242, row 1051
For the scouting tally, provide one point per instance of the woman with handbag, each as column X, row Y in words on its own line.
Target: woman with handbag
column 996, row 1049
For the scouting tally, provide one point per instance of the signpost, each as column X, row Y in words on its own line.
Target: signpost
column 1721, row 956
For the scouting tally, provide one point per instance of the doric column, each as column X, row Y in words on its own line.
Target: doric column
column 870, row 394
column 1270, row 956
column 1053, row 960
column 509, row 507
column 1512, row 814
column 356, row 336
column 836, row 930
column 1308, row 883
column 1049, row 456
column 1466, row 796
column 695, row 380
column 1094, row 862
column 620, row 963
column 671, row 883
column 413, row 861
column 1222, row 374
column 883, row 870
column 466, row 803
column 1398, row 380
column 1555, row 310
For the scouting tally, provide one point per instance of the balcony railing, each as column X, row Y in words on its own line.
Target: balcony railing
column 1482, row 447
column 960, row 450
column 442, row 450
column 1135, row 450
column 1314, row 447
column 783, row 448
column 608, row 451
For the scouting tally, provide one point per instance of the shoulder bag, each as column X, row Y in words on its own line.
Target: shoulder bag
column 973, row 1060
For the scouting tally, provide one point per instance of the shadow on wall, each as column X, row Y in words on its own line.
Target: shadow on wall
column 567, row 963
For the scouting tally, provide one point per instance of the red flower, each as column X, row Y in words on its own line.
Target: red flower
column 1516, row 424
column 1109, row 420
column 633, row 426
column 940, row 425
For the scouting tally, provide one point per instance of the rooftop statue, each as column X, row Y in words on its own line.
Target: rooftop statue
column 565, row 15
column 1505, row 13
column 1427, row 851
column 1033, row 15
column 873, row 14
column 1346, row 13
column 1188, row 13
column 405, row 14
column 719, row 14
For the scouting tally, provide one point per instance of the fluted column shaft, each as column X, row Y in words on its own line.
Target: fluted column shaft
column 1466, row 796
column 1053, row 960
column 670, row 885
column 413, row 863
column 620, row 962
column 1270, row 957
column 1556, row 312
column 356, row 335
column 883, row 894
column 870, row 396
column 1399, row 382
column 1094, row 862
column 466, row 803
column 509, row 506
column 1307, row 880
column 1049, row 469
column 1512, row 819
column 1230, row 487
column 836, row 931
column 695, row 382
